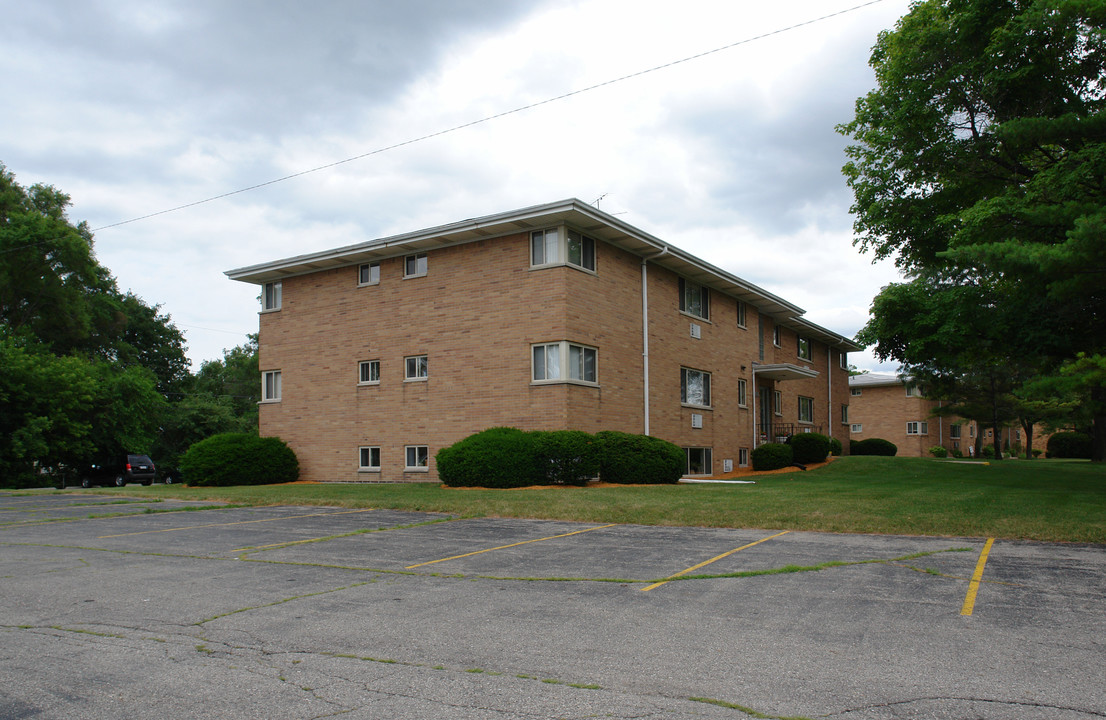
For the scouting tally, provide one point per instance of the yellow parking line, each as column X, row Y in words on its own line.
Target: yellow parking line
column 713, row 559
column 503, row 547
column 238, row 522
column 977, row 577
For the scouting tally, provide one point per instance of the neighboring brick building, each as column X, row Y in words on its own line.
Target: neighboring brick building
column 377, row 355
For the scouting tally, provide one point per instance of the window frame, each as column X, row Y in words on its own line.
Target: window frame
column 272, row 296
column 844, row 414
column 424, row 366
column 742, row 393
column 855, row 392
column 777, row 403
column 805, row 349
column 271, row 381
column 742, row 314
column 424, row 451
column 564, row 364
column 856, row 428
column 558, row 245
column 920, row 427
column 955, row 432
column 743, row 457
column 368, row 451
column 688, row 286
column 374, row 274
column 371, row 365
column 706, row 376
column 422, row 265
column 706, row 461
column 777, row 336
column 809, row 402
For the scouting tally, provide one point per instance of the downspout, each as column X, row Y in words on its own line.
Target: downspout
column 829, row 389
column 645, row 329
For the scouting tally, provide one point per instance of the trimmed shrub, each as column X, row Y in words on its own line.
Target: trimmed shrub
column 988, row 452
column 630, row 459
column 1070, row 445
column 939, row 451
column 771, row 456
column 499, row 457
column 239, row 459
column 809, row 447
column 874, row 446
column 835, row 447
column 957, row 453
column 567, row 457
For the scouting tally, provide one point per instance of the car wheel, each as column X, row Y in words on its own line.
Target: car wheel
column 86, row 483
column 120, row 481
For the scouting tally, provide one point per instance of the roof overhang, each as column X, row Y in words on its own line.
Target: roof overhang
column 575, row 213
column 809, row 329
column 783, row 371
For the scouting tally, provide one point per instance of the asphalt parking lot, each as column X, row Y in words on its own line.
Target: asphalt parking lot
column 110, row 610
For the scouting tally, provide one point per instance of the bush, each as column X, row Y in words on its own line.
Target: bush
column 495, row 458
column 988, row 452
column 772, row 456
column 939, row 451
column 957, row 453
column 874, row 446
column 1070, row 445
column 239, row 459
column 835, row 447
column 809, row 447
column 568, row 457
column 625, row 458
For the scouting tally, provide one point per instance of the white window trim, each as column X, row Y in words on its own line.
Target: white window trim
column 856, row 392
column 368, row 468
column 743, row 457
column 562, row 242
column 856, row 428
column 799, row 342
column 955, row 432
column 742, row 393
column 844, row 414
column 777, row 336
column 681, row 286
column 360, row 372
column 708, row 457
column 742, row 314
column 265, row 375
column 683, row 388
column 917, row 427
column 370, row 282
column 418, row 272
column 278, row 297
column 777, row 403
column 801, row 419
column 564, row 354
column 416, row 468
column 416, row 378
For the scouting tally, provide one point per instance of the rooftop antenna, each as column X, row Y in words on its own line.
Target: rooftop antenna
column 595, row 202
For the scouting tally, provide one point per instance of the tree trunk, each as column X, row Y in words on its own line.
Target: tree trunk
column 1028, row 427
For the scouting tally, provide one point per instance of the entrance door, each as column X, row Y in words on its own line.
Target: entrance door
column 764, row 429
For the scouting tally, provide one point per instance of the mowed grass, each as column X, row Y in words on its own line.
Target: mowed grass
column 1011, row 499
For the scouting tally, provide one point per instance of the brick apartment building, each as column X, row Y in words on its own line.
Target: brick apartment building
column 376, row 355
column 885, row 406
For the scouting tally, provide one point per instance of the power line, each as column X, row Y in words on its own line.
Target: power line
column 497, row 116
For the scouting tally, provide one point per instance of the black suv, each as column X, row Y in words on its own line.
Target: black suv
column 119, row 471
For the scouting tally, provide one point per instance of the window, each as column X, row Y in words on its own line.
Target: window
column 844, row 358
column 954, row 432
column 742, row 396
column 971, row 431
column 370, row 372
column 547, row 248
column 417, row 458
column 777, row 340
column 416, row 367
column 806, row 409
column 563, row 361
column 741, row 312
column 743, row 457
column 777, row 402
column 270, row 386
column 844, row 414
column 804, row 348
column 271, row 296
column 368, row 274
column 856, row 428
column 369, row 460
column 694, row 387
column 917, row 428
column 698, row 461
column 856, row 392
column 913, row 391
column 694, row 299
column 414, row 265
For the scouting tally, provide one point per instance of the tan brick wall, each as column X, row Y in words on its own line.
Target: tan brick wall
column 476, row 315
column 885, row 410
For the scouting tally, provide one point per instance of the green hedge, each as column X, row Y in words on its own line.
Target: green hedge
column 1070, row 445
column 239, row 459
column 809, row 447
column 873, row 446
column 496, row 458
column 509, row 457
column 772, row 456
column 626, row 458
column 835, row 447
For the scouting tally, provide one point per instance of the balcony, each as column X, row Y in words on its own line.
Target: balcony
column 779, row 432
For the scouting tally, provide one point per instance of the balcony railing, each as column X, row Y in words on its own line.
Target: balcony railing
column 779, row 432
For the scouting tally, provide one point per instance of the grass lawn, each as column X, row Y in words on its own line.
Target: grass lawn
column 1013, row 499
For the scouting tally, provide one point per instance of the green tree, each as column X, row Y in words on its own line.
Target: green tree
column 980, row 160
column 235, row 379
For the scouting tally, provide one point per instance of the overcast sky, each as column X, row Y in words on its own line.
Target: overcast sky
column 136, row 107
